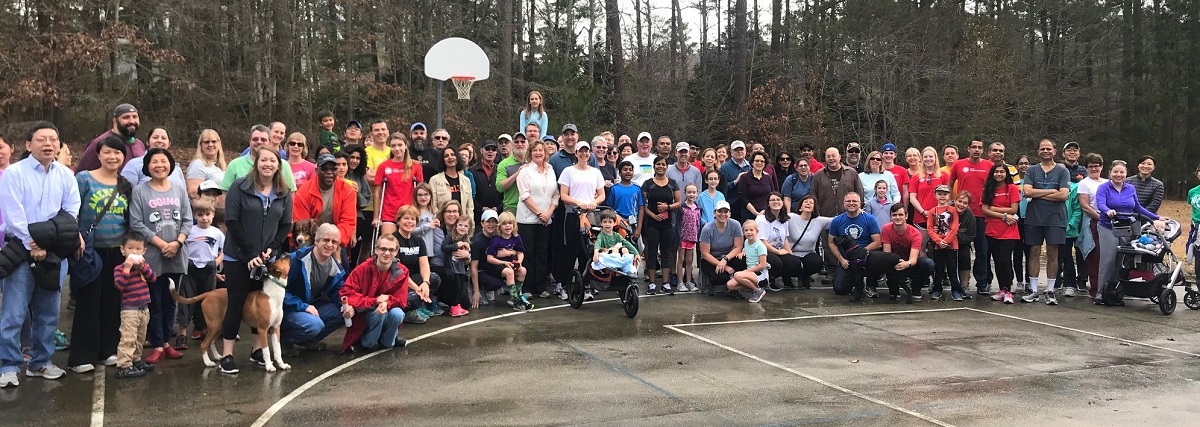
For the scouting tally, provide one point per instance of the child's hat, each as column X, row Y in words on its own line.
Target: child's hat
column 942, row 189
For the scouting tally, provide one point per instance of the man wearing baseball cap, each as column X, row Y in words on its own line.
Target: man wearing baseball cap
column 504, row 144
column 854, row 157
column 900, row 173
column 565, row 157
column 730, row 171
column 643, row 159
column 353, row 133
column 309, row 201
column 1070, row 155
column 486, row 194
column 683, row 172
column 422, row 152
column 485, row 277
column 125, row 123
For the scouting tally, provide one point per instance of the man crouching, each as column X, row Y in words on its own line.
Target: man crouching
column 374, row 296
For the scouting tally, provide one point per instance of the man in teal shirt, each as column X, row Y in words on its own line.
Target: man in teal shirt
column 241, row 166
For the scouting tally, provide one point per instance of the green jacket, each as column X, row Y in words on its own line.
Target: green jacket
column 1074, row 212
column 608, row 240
column 502, row 172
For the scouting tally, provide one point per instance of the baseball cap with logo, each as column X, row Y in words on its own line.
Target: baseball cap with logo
column 737, row 144
column 570, row 127
column 325, row 159
column 682, row 146
column 1071, row 144
column 505, row 136
column 721, row 205
column 415, row 126
column 853, row 146
column 889, row 147
column 582, row 145
column 209, row 185
column 644, row 135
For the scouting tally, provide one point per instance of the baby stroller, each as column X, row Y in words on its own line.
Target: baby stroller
column 603, row 279
column 1148, row 266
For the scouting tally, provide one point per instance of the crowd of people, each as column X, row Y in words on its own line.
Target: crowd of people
column 384, row 228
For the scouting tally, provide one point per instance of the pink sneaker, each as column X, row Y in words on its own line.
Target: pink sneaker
column 457, row 311
column 1008, row 298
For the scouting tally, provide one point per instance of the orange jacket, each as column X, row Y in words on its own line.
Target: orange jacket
column 308, row 204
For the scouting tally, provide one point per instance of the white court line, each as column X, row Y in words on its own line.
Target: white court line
column 275, row 408
column 817, row 316
column 1086, row 332
column 909, row 412
column 98, row 397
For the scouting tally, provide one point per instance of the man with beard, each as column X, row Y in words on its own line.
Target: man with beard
column 830, row 187
column 328, row 200
column 259, row 136
column 971, row 175
column 353, row 133
column 853, row 157
column 533, row 133
column 664, row 149
column 421, row 152
column 125, row 123
column 487, row 197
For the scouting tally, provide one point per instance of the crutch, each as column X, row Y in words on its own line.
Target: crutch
column 379, row 211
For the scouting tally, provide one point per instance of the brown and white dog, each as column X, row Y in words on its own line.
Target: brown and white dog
column 263, row 310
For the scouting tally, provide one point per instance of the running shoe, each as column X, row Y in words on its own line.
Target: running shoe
column 562, row 294
column 774, row 287
column 757, row 295
column 1008, row 298
column 652, row 289
column 457, row 311
column 956, row 295
column 1069, row 292
column 144, row 366
column 667, row 289
column 871, row 293
column 1050, row 300
column 60, row 341
column 130, row 372
column 935, row 296
column 414, row 318
column 544, row 295
column 588, row 296
column 256, row 357
column 84, row 368
column 9, row 379
column 228, row 366
column 998, row 296
column 1030, row 297
column 49, row 372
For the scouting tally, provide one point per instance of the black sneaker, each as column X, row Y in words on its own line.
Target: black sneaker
column 290, row 351
column 871, row 293
column 141, row 364
column 256, row 356
column 774, row 287
column 130, row 372
column 228, row 366
column 401, row 342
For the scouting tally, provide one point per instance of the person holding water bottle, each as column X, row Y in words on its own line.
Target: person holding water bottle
column 311, row 307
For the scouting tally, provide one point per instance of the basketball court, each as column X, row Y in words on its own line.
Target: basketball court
column 798, row 358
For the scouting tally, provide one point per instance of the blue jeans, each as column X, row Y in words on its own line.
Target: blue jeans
column 24, row 300
column 302, row 326
column 381, row 330
column 982, row 270
column 844, row 280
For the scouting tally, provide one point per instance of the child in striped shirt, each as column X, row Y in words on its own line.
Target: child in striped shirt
column 132, row 279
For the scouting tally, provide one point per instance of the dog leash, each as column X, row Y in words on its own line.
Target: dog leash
column 276, row 281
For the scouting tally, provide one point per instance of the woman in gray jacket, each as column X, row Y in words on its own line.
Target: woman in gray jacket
column 162, row 213
column 258, row 214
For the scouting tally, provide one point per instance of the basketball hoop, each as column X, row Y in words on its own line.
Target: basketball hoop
column 463, row 85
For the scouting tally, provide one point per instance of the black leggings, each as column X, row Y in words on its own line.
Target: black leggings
column 239, row 284
column 450, row 291
column 95, row 328
column 364, row 231
column 720, row 279
column 809, row 265
column 660, row 247
column 1001, row 252
column 784, row 266
column 566, row 246
column 537, row 249
column 202, row 279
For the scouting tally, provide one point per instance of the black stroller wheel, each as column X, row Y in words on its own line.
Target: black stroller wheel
column 1166, row 301
column 1192, row 300
column 630, row 302
column 575, row 290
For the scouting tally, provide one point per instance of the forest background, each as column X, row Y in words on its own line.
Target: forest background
column 1118, row 76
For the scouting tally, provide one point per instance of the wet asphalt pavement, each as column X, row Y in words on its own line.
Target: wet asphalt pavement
column 594, row 366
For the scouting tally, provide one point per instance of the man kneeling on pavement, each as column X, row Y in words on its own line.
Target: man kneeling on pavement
column 312, row 307
column 376, row 294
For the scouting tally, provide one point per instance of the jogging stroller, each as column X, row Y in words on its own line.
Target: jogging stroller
column 603, row 279
column 1148, row 266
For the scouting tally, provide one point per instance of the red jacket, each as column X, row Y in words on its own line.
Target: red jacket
column 364, row 285
column 307, row 203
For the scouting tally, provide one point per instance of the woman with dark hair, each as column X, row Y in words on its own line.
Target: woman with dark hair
column 161, row 212
column 97, row 319
column 774, row 231
column 258, row 215
column 1115, row 199
column 804, row 236
column 753, row 187
column 797, row 185
column 135, row 171
column 1001, row 201
column 356, row 165
column 784, row 167
column 451, row 184
column 625, row 150
column 662, row 195
column 452, row 291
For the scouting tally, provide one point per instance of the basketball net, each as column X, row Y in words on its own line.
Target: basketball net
column 463, row 85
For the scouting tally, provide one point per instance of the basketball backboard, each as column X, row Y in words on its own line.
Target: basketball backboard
column 457, row 57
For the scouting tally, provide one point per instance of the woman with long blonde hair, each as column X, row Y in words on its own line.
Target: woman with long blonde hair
column 208, row 164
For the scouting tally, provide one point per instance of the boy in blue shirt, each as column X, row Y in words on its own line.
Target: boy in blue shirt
column 625, row 197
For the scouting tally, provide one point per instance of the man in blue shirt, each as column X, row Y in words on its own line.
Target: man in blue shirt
column 865, row 232
column 730, row 171
column 33, row 190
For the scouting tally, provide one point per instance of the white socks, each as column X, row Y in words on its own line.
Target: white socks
column 1033, row 284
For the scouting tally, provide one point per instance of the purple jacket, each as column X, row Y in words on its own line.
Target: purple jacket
column 1124, row 201
column 90, row 158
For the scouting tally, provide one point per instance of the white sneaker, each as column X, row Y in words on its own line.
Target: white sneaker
column 587, row 295
column 562, row 294
column 84, row 368
column 1069, row 291
column 692, row 287
column 998, row 296
column 1050, row 300
column 49, row 372
column 9, row 379
column 111, row 361
column 1030, row 297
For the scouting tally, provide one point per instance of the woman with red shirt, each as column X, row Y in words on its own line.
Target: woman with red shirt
column 921, row 188
column 401, row 174
column 1001, row 201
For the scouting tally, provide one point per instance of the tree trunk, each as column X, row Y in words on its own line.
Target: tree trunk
column 506, row 52
column 738, row 45
column 613, row 27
